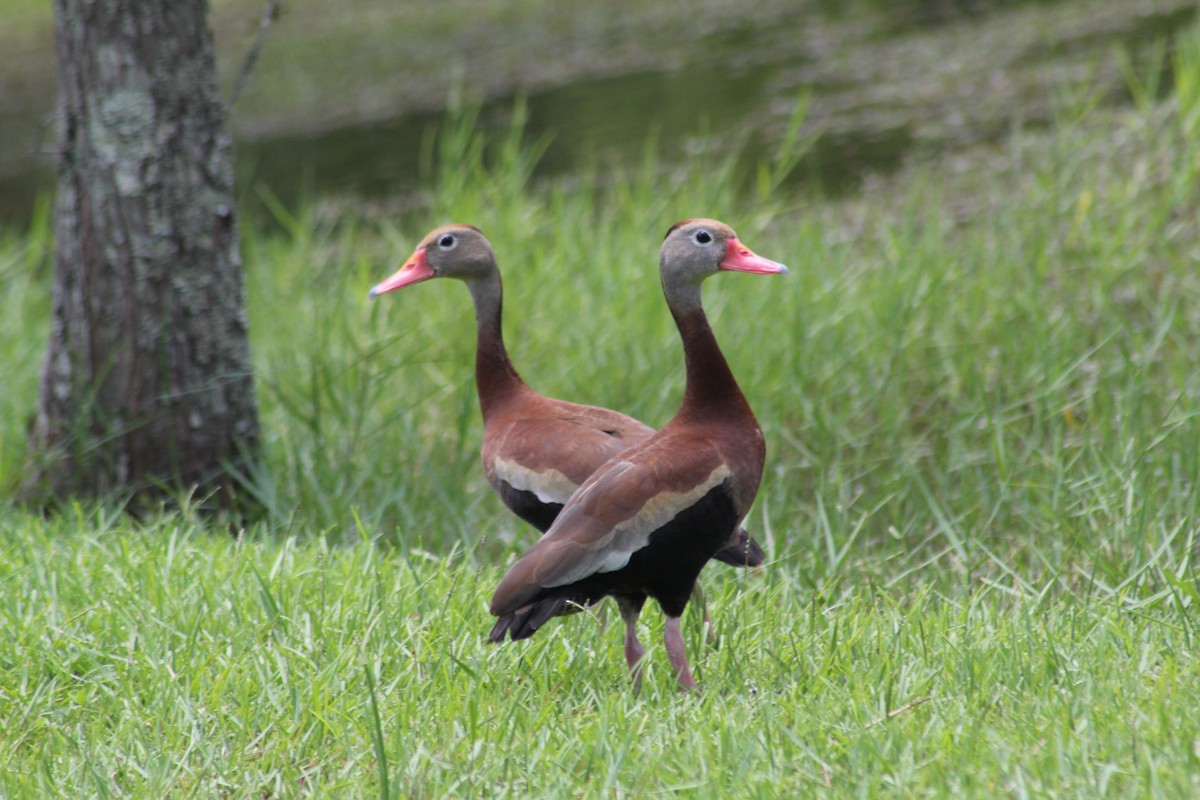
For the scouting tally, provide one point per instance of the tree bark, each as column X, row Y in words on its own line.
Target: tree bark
column 147, row 386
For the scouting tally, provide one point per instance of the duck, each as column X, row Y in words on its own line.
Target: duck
column 536, row 450
column 645, row 523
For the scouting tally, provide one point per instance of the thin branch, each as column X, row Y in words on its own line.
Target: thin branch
column 269, row 15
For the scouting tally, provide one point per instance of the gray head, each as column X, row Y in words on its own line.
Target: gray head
column 697, row 248
column 451, row 251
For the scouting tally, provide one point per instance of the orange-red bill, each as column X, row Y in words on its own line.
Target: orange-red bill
column 415, row 270
column 740, row 258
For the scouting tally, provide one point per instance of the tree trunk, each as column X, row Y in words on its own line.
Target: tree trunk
column 147, row 385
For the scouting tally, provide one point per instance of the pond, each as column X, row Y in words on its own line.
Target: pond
column 883, row 85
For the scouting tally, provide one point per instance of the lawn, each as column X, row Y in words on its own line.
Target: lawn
column 979, row 387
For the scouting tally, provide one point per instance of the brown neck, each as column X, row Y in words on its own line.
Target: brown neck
column 711, row 387
column 496, row 378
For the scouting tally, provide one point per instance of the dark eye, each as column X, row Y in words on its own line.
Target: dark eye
column 702, row 237
column 447, row 242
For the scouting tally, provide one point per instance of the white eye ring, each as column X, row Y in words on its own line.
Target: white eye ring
column 447, row 241
column 702, row 237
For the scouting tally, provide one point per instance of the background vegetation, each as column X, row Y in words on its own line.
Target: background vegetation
column 979, row 390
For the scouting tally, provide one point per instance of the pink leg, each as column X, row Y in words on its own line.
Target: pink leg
column 633, row 648
column 673, row 639
column 633, row 652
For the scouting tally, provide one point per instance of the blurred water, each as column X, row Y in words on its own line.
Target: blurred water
column 911, row 76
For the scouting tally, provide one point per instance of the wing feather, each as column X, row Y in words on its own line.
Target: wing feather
column 552, row 453
column 612, row 516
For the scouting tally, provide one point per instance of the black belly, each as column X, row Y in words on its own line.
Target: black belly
column 527, row 506
column 665, row 569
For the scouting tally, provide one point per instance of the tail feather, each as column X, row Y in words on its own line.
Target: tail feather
column 500, row 628
column 741, row 551
column 542, row 612
column 525, row 621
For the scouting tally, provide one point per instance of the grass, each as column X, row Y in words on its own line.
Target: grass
column 979, row 392
column 169, row 662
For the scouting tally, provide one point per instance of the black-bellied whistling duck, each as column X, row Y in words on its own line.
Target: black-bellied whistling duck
column 644, row 524
column 536, row 450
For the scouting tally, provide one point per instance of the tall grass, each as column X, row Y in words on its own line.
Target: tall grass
column 979, row 391
column 991, row 380
column 383, row 391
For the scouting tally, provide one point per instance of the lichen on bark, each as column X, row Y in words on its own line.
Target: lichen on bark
column 146, row 387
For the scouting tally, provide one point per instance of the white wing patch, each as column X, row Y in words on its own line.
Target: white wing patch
column 549, row 485
column 633, row 534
